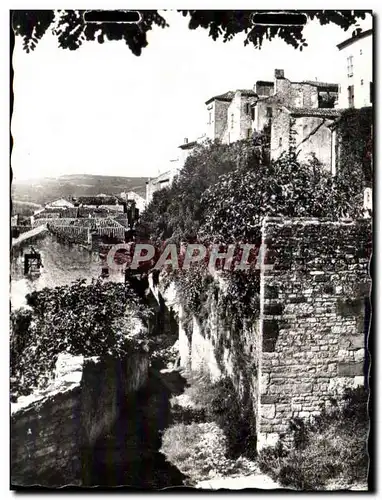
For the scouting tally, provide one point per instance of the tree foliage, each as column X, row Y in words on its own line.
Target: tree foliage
column 176, row 212
column 94, row 319
column 355, row 153
column 71, row 31
column 235, row 205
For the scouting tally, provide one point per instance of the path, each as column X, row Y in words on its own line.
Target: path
column 129, row 454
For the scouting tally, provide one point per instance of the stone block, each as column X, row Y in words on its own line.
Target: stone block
column 271, row 292
column 264, row 382
column 270, row 334
column 350, row 307
column 269, row 398
column 359, row 355
column 359, row 381
column 275, row 309
column 268, row 411
column 350, row 369
column 356, row 341
column 304, row 414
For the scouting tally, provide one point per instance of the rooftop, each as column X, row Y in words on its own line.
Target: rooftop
column 161, row 178
column 314, row 83
column 320, row 112
column 96, row 200
column 356, row 37
column 188, row 145
column 227, row 96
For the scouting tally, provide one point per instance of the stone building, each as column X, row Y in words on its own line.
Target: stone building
column 356, row 86
column 162, row 181
column 140, row 201
column 166, row 178
column 230, row 116
column 307, row 130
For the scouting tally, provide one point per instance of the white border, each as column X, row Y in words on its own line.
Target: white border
column 166, row 4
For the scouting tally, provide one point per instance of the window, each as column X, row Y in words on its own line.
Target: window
column 361, row 82
column 280, row 142
column 249, row 133
column 252, row 112
column 350, row 65
column 209, row 118
column 371, row 92
column 360, row 52
column 232, row 120
column 269, row 112
column 351, row 96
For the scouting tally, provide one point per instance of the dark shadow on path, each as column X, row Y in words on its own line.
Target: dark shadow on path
column 129, row 455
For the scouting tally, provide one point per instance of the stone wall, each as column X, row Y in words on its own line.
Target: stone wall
column 280, row 132
column 306, row 134
column 313, row 134
column 312, row 318
column 220, row 118
column 50, row 436
column 238, row 118
column 308, row 343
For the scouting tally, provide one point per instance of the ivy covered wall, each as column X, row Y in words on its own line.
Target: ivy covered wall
column 355, row 147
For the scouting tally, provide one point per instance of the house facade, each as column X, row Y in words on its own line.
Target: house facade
column 356, row 85
column 140, row 202
column 307, row 131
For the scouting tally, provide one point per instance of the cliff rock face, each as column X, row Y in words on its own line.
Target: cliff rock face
column 51, row 430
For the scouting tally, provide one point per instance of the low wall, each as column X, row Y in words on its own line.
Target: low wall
column 50, row 437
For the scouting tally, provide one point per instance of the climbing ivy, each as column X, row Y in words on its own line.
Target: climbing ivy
column 355, row 135
column 94, row 319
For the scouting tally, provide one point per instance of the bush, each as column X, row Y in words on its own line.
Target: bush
column 331, row 447
column 223, row 406
column 94, row 319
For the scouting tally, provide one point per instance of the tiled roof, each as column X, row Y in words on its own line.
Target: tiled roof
column 265, row 83
column 321, row 84
column 320, row 112
column 96, row 200
column 248, row 92
column 227, row 96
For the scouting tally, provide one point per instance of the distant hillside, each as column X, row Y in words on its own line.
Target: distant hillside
column 44, row 190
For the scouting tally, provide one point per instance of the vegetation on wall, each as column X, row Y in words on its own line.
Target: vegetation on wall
column 333, row 447
column 176, row 213
column 94, row 319
column 355, row 135
column 222, row 195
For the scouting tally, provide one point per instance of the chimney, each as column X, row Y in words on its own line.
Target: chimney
column 279, row 73
column 186, row 140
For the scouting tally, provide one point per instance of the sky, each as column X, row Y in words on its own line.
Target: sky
column 102, row 110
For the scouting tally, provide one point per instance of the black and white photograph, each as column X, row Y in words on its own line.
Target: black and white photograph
column 190, row 253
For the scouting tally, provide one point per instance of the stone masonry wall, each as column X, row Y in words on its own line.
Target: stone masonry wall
column 312, row 318
column 313, row 134
column 50, row 437
column 280, row 132
column 308, row 343
column 220, row 118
